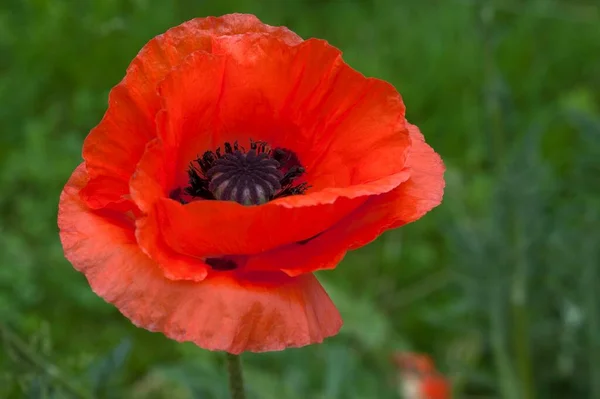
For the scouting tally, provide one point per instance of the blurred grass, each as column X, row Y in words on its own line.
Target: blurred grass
column 499, row 284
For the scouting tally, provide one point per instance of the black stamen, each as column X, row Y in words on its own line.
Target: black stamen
column 286, row 158
column 280, row 155
column 294, row 172
column 177, row 195
column 207, row 161
column 198, row 186
column 295, row 190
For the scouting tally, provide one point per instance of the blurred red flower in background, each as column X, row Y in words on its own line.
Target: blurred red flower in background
column 234, row 160
column 418, row 378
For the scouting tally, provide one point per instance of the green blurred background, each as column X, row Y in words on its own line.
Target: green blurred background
column 500, row 284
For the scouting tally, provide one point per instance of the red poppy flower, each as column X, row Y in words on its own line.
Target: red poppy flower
column 234, row 160
column 419, row 379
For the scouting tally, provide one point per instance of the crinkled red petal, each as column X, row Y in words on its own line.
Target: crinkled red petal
column 348, row 131
column 113, row 148
column 363, row 142
column 411, row 200
column 226, row 311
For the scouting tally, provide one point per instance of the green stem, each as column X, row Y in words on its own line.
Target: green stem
column 520, row 314
column 508, row 386
column 236, row 381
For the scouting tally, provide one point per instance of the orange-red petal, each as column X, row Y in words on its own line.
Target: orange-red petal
column 175, row 266
column 226, row 311
column 347, row 130
column 422, row 192
column 211, row 228
column 358, row 150
column 153, row 176
column 407, row 203
column 113, row 148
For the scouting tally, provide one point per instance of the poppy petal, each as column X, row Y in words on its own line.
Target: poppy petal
column 106, row 191
column 224, row 312
column 347, row 130
column 153, row 176
column 190, row 105
column 422, row 192
column 174, row 265
column 411, row 200
column 113, row 148
column 197, row 115
column 210, row 228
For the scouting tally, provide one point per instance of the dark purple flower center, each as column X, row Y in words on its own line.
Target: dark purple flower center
column 251, row 177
